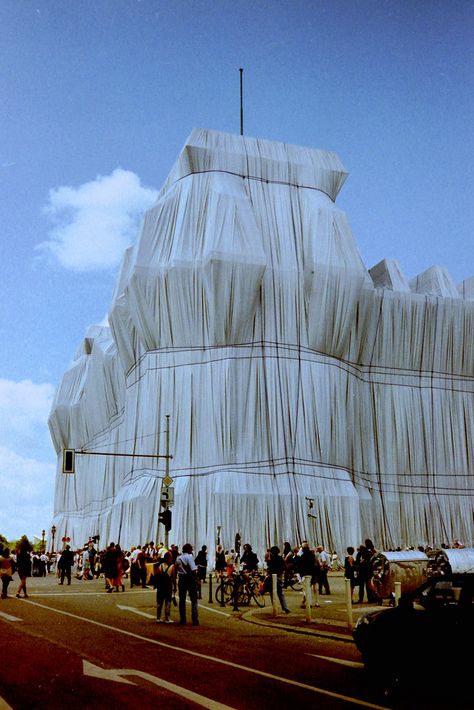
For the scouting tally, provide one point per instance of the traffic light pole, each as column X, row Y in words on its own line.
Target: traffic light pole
column 167, row 468
column 166, row 493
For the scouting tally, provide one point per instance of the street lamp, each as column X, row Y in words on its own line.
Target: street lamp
column 43, row 533
column 53, row 533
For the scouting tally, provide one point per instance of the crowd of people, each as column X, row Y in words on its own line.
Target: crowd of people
column 171, row 571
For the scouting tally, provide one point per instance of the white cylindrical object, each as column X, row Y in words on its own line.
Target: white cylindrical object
column 307, row 596
column 398, row 592
column 274, row 594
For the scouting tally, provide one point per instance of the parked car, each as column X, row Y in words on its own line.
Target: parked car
column 423, row 640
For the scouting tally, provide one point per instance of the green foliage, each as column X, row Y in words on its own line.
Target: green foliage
column 24, row 544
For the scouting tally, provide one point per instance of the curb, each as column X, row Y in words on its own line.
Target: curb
column 250, row 617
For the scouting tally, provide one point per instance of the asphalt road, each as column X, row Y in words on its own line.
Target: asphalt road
column 78, row 647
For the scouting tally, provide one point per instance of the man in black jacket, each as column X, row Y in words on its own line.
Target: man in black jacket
column 65, row 563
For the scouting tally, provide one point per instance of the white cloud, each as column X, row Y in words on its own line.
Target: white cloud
column 27, row 458
column 96, row 221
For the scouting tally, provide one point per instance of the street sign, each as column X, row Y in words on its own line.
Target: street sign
column 167, row 481
column 167, row 496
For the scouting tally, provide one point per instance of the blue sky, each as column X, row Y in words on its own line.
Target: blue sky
column 99, row 96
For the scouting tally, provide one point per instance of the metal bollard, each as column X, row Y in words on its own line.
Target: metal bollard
column 350, row 619
column 398, row 592
column 210, row 589
column 274, row 594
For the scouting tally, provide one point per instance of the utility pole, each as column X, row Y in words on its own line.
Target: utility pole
column 166, row 493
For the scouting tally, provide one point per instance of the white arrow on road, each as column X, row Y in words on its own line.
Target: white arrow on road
column 116, row 674
column 9, row 617
column 137, row 611
column 341, row 661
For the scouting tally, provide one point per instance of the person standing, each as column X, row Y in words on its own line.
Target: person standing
column 276, row 565
column 65, row 564
column 110, row 567
column 201, row 562
column 221, row 564
column 324, row 559
column 165, row 581
column 187, row 583
column 6, row 571
column 350, row 568
column 23, row 565
column 306, row 566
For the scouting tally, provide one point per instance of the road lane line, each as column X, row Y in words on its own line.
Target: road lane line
column 136, row 611
column 9, row 617
column 208, row 608
column 341, row 661
column 115, row 674
column 221, row 661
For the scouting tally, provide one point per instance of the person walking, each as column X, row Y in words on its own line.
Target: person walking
column 65, row 564
column 117, row 581
column 276, row 565
column 187, row 583
column 165, row 581
column 6, row 570
column 23, row 566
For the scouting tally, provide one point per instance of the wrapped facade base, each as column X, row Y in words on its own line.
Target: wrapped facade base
column 289, row 372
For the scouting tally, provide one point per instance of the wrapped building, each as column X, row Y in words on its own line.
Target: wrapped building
column 309, row 397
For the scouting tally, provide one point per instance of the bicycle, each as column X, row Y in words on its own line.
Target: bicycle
column 240, row 589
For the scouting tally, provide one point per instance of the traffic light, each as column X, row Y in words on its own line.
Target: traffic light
column 165, row 519
column 69, row 461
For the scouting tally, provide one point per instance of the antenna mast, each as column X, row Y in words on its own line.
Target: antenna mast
column 241, row 103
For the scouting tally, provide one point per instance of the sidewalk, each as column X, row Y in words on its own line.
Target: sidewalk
column 329, row 619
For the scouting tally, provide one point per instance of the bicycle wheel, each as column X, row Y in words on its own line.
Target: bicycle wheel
column 243, row 597
column 224, row 592
column 295, row 584
column 258, row 597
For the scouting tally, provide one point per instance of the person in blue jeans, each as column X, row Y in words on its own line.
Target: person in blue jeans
column 188, row 582
column 276, row 565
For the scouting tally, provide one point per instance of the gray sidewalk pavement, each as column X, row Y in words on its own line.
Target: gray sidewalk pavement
column 329, row 618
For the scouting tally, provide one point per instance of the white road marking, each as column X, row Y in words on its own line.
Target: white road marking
column 115, row 674
column 136, row 611
column 9, row 617
column 208, row 608
column 221, row 661
column 341, row 661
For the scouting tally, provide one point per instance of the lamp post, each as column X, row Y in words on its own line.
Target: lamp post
column 43, row 533
column 53, row 533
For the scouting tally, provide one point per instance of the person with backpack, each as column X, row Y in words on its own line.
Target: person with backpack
column 165, row 583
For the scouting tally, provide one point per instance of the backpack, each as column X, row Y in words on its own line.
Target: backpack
column 163, row 579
